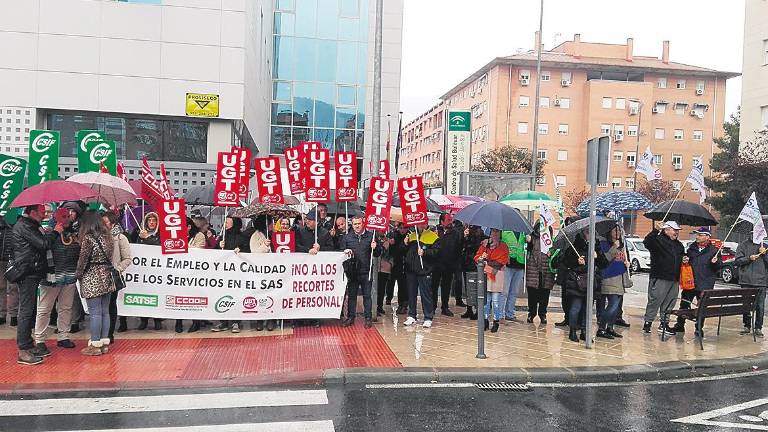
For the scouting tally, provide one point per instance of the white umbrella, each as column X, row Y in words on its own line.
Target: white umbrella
column 113, row 190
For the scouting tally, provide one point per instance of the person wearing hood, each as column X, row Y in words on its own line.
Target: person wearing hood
column 148, row 234
column 539, row 280
column 121, row 259
column 419, row 264
column 232, row 240
column 612, row 285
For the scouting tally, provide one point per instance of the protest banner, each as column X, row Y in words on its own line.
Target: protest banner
column 318, row 176
column 283, row 241
column 93, row 149
column 227, row 178
column 379, row 204
column 43, row 156
column 412, row 201
column 294, row 166
column 243, row 172
column 207, row 284
column 384, row 170
column 12, row 172
column 268, row 184
column 153, row 189
column 547, row 220
column 174, row 232
column 346, row 176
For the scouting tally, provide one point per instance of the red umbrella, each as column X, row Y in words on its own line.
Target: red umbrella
column 54, row 191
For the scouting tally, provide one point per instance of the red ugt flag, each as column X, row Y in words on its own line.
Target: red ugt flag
column 173, row 226
column 227, row 180
column 412, row 201
column 243, row 171
column 294, row 162
column 268, row 182
column 284, row 241
column 346, row 176
column 379, row 204
column 318, row 176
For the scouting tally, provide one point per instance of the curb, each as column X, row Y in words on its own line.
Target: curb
column 608, row 374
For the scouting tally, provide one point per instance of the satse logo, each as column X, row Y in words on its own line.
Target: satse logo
column 93, row 136
column 10, row 167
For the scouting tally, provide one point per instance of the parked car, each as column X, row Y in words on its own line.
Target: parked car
column 640, row 258
column 729, row 273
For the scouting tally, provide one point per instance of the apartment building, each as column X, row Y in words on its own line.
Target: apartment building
column 754, row 84
column 422, row 147
column 588, row 90
column 15, row 124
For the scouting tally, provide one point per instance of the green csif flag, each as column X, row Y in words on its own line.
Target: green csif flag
column 12, row 172
column 43, row 156
column 93, row 149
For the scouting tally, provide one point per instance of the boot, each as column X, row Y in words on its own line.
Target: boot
column 14, row 323
column 259, row 325
column 468, row 313
column 486, row 323
column 123, row 325
column 582, row 335
column 474, row 316
column 93, row 348
column 572, row 335
column 495, row 327
column 402, row 310
column 179, row 326
column 613, row 333
column 195, row 327
column 563, row 323
column 158, row 324
column 105, row 346
column 143, row 324
column 603, row 334
column 271, row 324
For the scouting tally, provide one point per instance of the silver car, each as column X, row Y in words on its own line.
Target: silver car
column 640, row 258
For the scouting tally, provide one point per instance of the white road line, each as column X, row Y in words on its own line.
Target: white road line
column 654, row 382
column 174, row 402
column 419, row 386
column 305, row 426
column 705, row 418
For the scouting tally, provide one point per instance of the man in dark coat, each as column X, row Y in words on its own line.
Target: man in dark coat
column 420, row 260
column 667, row 255
column 705, row 262
column 447, row 261
column 305, row 236
column 358, row 245
column 8, row 290
column 752, row 260
column 397, row 250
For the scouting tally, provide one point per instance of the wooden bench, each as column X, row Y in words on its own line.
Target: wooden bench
column 719, row 303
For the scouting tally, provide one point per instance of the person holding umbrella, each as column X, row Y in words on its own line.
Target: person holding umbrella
column 538, row 278
column 495, row 254
column 667, row 256
column 612, row 281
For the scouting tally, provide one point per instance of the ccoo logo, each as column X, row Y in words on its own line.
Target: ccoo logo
column 43, row 142
column 10, row 167
column 100, row 153
column 93, row 136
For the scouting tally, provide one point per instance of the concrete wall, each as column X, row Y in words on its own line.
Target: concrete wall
column 258, row 71
column 754, row 83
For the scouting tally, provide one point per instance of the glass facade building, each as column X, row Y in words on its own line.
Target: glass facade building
column 319, row 73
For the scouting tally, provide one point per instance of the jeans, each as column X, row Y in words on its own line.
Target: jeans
column 577, row 312
column 442, row 279
column 383, row 289
column 62, row 296
column 398, row 275
column 27, row 306
column 759, row 309
column 498, row 305
column 513, row 279
column 538, row 300
column 9, row 294
column 98, row 309
column 420, row 285
column 361, row 284
column 611, row 311
column 661, row 299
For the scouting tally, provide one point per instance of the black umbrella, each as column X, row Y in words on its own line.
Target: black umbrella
column 201, row 195
column 682, row 212
column 432, row 206
column 492, row 214
column 339, row 208
column 602, row 225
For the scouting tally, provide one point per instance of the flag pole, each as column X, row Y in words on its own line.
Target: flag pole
column 673, row 204
column 728, row 235
column 418, row 244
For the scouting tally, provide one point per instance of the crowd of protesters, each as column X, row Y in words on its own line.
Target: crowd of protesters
column 74, row 244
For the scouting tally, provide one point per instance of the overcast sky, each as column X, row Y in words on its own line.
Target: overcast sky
column 445, row 41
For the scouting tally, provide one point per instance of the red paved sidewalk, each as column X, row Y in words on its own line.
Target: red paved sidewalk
column 141, row 363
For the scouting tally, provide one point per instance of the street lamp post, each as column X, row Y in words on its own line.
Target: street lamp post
column 535, row 151
column 637, row 152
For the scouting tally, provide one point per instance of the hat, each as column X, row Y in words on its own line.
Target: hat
column 703, row 230
column 76, row 206
column 312, row 214
column 672, row 224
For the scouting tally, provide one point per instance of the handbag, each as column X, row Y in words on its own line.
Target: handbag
column 117, row 278
column 14, row 272
column 626, row 280
column 686, row 277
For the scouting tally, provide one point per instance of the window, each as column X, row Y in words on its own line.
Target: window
column 678, row 134
column 543, row 128
column 697, row 160
column 522, row 127
column 545, row 75
column 630, row 182
column 632, row 130
column 607, row 102
column 605, row 129
column 525, row 74
column 658, row 159
column 700, row 86
column 680, row 84
column 561, row 180
column 523, row 101
column 631, row 158
column 662, row 83
column 680, row 108
column 566, row 76
column 26, row 112
column 544, row 102
column 616, row 182
column 764, row 116
column 542, row 154
column 618, row 130
column 676, row 184
column 618, row 156
column 698, row 135
column 677, row 161
column 562, row 155
column 565, row 103
column 621, row 103
column 765, row 51
column 562, row 129
column 659, row 133
column 660, row 108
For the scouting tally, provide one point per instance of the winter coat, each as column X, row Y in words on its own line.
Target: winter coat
column 751, row 273
column 430, row 243
column 153, row 239
column 30, row 245
column 258, row 243
column 65, row 251
column 397, row 251
column 704, row 272
column 93, row 269
column 6, row 241
column 666, row 256
column 305, row 238
column 497, row 258
column 360, row 245
column 198, row 241
column 570, row 267
column 121, row 250
column 537, row 274
column 233, row 237
column 449, row 256
column 612, row 283
column 471, row 246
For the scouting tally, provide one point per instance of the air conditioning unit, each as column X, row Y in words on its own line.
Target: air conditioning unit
column 678, row 167
column 699, row 92
column 524, row 81
column 694, row 113
column 655, row 110
column 565, row 83
column 557, row 102
column 631, row 163
column 618, row 137
column 633, row 111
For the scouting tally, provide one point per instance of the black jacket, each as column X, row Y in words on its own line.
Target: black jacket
column 305, row 238
column 412, row 263
column 65, row 258
column 666, row 256
column 6, row 241
column 471, row 245
column 30, row 245
column 397, row 251
column 569, row 268
column 449, row 256
column 360, row 245
column 704, row 272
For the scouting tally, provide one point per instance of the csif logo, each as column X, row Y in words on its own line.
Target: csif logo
column 100, row 153
column 224, row 304
column 93, row 136
column 10, row 167
column 43, row 142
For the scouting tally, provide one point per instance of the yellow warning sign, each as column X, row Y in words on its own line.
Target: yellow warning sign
column 202, row 105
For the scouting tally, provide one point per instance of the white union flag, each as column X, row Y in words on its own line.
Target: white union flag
column 751, row 213
column 647, row 166
column 696, row 179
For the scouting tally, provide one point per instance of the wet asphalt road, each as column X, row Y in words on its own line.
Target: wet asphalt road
column 640, row 407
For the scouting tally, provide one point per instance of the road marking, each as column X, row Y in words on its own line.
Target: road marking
column 305, row 426
column 706, row 417
column 654, row 382
column 175, row 402
column 419, row 386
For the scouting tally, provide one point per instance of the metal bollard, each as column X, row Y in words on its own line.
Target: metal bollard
column 481, row 280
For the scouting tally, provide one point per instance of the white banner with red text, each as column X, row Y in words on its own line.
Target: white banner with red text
column 207, row 284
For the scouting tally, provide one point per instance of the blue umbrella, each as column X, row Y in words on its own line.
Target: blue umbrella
column 492, row 214
column 616, row 201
